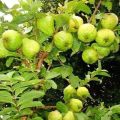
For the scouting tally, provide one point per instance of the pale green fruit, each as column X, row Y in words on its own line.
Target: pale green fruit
column 76, row 105
column 12, row 40
column 90, row 56
column 109, row 21
column 83, row 92
column 87, row 33
column 69, row 116
column 69, row 92
column 46, row 25
column 63, row 40
column 102, row 51
column 30, row 48
column 105, row 37
column 55, row 115
column 74, row 23
column 115, row 46
column 4, row 52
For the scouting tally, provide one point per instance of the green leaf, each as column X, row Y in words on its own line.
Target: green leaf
column 26, row 111
column 9, row 61
column 62, row 107
column 50, row 84
column 115, row 109
column 107, row 4
column 7, row 110
column 29, row 96
column 6, row 97
column 37, row 118
column 29, row 104
column 74, row 81
column 81, row 116
column 61, row 19
column 77, row 6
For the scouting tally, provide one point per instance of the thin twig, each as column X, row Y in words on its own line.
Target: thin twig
column 46, row 107
column 95, row 11
column 41, row 57
column 24, row 118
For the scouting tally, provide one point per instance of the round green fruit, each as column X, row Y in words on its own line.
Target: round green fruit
column 76, row 105
column 46, row 25
column 90, row 56
column 63, row 40
column 102, row 51
column 83, row 92
column 3, row 51
column 105, row 37
column 55, row 115
column 87, row 33
column 12, row 40
column 69, row 92
column 69, row 116
column 109, row 21
column 30, row 48
column 74, row 23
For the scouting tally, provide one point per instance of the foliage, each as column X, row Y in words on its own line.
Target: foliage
column 26, row 81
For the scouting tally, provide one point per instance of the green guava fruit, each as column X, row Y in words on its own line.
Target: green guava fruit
column 69, row 92
column 46, row 25
column 87, row 33
column 115, row 46
column 109, row 20
column 90, row 56
column 12, row 40
column 4, row 52
column 69, row 116
column 30, row 48
column 83, row 92
column 55, row 115
column 75, row 105
column 74, row 23
column 102, row 51
column 105, row 37
column 63, row 40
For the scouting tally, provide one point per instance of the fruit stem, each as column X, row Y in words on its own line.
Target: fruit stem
column 99, row 65
column 95, row 11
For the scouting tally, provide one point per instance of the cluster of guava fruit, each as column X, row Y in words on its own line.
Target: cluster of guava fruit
column 100, row 42
column 74, row 99
column 12, row 41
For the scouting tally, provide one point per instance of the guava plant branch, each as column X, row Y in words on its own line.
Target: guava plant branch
column 41, row 57
column 46, row 107
column 95, row 11
column 24, row 118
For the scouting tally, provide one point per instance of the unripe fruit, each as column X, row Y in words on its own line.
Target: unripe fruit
column 46, row 25
column 105, row 37
column 76, row 105
column 109, row 20
column 115, row 46
column 3, row 51
column 87, row 33
column 69, row 116
column 90, row 56
column 69, row 92
column 83, row 92
column 55, row 115
column 74, row 23
column 30, row 48
column 63, row 40
column 12, row 40
column 102, row 51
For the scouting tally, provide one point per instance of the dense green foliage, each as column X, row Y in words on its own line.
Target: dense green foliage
column 40, row 51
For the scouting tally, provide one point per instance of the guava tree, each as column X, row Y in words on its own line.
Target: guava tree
column 35, row 51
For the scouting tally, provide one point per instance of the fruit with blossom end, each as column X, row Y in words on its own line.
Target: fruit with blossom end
column 55, row 115
column 109, row 20
column 63, row 40
column 105, row 37
column 87, row 33
column 12, row 40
